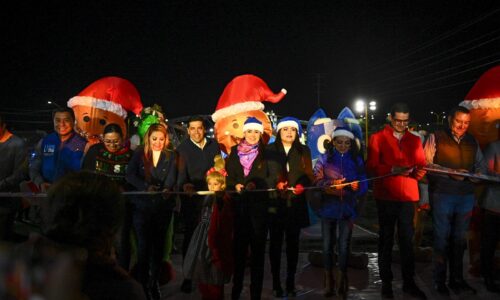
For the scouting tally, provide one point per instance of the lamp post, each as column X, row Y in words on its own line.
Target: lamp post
column 439, row 117
column 361, row 106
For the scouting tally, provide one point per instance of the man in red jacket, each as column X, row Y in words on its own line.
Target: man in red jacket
column 394, row 150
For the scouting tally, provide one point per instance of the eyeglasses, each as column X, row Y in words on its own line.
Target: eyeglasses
column 112, row 142
column 398, row 121
column 347, row 143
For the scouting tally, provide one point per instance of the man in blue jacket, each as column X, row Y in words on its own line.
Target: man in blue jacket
column 59, row 152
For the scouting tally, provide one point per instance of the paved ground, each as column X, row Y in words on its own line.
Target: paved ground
column 363, row 284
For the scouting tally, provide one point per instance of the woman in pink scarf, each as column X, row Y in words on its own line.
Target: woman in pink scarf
column 250, row 173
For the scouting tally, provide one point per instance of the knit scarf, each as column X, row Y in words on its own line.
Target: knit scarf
column 247, row 154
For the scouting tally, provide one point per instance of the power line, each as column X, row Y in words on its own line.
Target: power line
column 436, row 62
column 451, row 68
column 442, row 77
column 434, row 89
column 434, row 41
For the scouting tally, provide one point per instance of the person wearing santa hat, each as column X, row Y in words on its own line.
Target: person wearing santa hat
column 452, row 198
column 57, row 153
column 288, row 214
column 249, row 169
column 341, row 163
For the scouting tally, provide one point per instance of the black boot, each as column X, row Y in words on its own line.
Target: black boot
column 342, row 286
column 386, row 291
column 412, row 289
column 290, row 286
column 187, row 286
column 491, row 286
column 277, row 290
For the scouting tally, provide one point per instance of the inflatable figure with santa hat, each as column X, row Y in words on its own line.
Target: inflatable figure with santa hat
column 105, row 101
column 242, row 98
column 483, row 101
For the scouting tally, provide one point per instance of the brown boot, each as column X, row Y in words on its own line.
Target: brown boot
column 329, row 282
column 342, row 285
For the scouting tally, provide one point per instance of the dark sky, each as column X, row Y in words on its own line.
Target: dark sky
column 181, row 54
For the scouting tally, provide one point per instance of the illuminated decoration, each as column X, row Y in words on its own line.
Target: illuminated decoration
column 103, row 102
column 242, row 98
column 483, row 101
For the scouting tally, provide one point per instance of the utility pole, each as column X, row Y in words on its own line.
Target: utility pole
column 318, row 89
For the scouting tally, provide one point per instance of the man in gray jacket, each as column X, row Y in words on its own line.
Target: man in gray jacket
column 13, row 170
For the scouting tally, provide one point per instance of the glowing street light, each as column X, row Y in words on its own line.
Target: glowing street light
column 362, row 107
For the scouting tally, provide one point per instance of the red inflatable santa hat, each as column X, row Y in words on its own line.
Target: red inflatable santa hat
column 245, row 93
column 483, row 100
column 113, row 94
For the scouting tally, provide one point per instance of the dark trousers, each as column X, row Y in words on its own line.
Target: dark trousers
column 390, row 215
column 8, row 210
column 450, row 217
column 490, row 235
column 151, row 218
column 249, row 232
column 279, row 228
column 190, row 213
column 124, row 241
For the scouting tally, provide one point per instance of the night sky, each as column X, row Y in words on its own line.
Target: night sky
column 181, row 54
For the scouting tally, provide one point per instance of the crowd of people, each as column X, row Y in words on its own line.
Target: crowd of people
column 257, row 191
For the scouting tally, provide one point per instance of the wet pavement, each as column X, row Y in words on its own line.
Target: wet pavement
column 363, row 283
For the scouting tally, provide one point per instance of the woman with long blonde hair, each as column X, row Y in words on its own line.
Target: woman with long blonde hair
column 152, row 169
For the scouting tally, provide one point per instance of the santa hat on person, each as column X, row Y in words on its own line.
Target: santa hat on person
column 485, row 94
column 113, row 94
column 253, row 124
column 290, row 122
column 342, row 131
column 244, row 93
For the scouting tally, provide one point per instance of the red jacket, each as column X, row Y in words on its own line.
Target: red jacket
column 385, row 152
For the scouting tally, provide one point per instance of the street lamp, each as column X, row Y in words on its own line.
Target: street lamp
column 439, row 117
column 361, row 106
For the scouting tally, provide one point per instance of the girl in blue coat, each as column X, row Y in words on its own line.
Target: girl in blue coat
column 340, row 171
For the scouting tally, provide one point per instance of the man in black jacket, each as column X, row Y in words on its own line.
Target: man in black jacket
column 196, row 156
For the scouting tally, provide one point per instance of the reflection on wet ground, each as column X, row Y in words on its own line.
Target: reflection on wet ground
column 363, row 283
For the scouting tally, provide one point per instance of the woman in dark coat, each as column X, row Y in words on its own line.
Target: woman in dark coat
column 152, row 169
column 289, row 214
column 248, row 169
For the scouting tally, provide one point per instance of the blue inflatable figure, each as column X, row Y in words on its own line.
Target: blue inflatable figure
column 319, row 129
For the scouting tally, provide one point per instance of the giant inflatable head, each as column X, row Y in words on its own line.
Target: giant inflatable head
column 105, row 101
column 242, row 98
column 483, row 101
column 319, row 131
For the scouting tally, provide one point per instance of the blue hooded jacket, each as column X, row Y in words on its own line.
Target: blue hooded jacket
column 334, row 165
